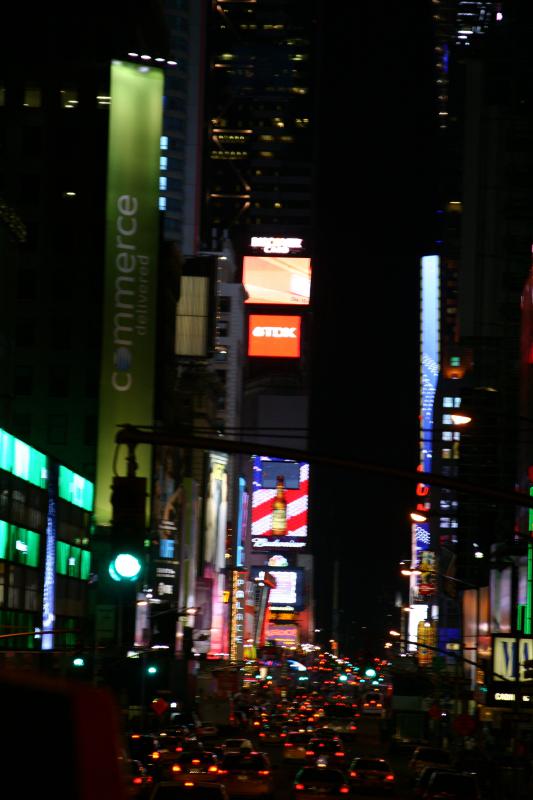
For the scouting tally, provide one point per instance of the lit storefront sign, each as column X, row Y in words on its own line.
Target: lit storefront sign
column 277, row 280
column 274, row 336
column 288, row 593
column 429, row 374
column 427, row 642
column 129, row 321
column 275, row 244
column 238, row 595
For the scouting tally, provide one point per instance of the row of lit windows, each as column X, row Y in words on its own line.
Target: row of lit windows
column 451, row 402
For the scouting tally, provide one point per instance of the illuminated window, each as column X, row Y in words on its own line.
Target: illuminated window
column 266, row 153
column 163, row 162
column 447, row 402
column 69, row 98
column 447, row 419
column 163, row 143
column 446, row 453
column 447, row 436
column 162, row 184
column 32, row 97
column 162, row 203
column 456, row 402
column 455, row 361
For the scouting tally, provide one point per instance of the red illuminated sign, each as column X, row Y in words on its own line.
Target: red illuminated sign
column 274, row 336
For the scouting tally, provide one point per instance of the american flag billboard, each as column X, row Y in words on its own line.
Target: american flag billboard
column 264, row 538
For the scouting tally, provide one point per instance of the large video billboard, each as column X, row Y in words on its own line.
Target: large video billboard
column 132, row 232
column 277, row 280
column 294, row 536
column 274, row 335
column 289, row 586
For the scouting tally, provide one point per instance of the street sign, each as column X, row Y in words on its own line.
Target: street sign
column 464, row 725
column 159, row 706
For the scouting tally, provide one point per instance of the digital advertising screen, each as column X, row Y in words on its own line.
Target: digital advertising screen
column 289, row 586
column 290, row 530
column 289, row 469
column 274, row 335
column 277, row 280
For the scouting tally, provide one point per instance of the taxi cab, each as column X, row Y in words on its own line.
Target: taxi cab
column 295, row 746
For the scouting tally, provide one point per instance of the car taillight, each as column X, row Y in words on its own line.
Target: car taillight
column 339, row 754
column 353, row 774
column 389, row 777
column 365, row 705
column 264, row 772
column 299, row 786
column 179, row 749
column 283, row 735
column 156, row 755
column 379, row 705
column 353, row 727
column 261, row 734
column 188, row 783
column 176, row 768
column 213, row 769
column 195, row 761
column 344, row 789
column 223, row 772
column 288, row 744
column 149, row 779
column 137, row 780
column 256, row 724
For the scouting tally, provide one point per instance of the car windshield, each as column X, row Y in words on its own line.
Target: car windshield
column 298, row 738
column 371, row 763
column 310, row 774
column 460, row 785
column 244, row 762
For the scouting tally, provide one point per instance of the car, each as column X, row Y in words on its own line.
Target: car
column 270, row 734
column 142, row 747
column 373, row 703
column 453, row 786
column 371, row 773
column 295, row 746
column 207, row 730
column 189, row 790
column 332, row 748
column 428, row 757
column 138, row 779
column 236, row 744
column 248, row 774
column 186, row 764
column 422, row 781
column 324, row 781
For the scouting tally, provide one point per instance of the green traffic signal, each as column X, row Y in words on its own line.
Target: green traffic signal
column 78, row 662
column 370, row 672
column 125, row 567
column 152, row 670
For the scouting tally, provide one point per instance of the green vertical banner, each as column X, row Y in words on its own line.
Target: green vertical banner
column 132, row 234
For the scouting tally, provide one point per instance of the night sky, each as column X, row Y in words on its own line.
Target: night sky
column 375, row 208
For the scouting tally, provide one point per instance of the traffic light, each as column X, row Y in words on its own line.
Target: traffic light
column 370, row 672
column 129, row 530
column 527, row 666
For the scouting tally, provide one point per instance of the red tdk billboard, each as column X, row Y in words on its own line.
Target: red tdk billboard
column 274, row 335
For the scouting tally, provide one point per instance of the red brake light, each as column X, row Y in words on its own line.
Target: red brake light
column 309, row 752
column 282, row 735
column 212, row 768
column 287, row 744
column 223, row 772
column 179, row 749
column 299, row 786
column 264, row 772
column 137, row 780
column 176, row 768
column 188, row 783
column 261, row 734
column 353, row 774
column 339, row 754
column 389, row 777
column 195, row 761
column 344, row 789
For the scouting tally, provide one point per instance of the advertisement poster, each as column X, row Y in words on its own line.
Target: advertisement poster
column 264, row 501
